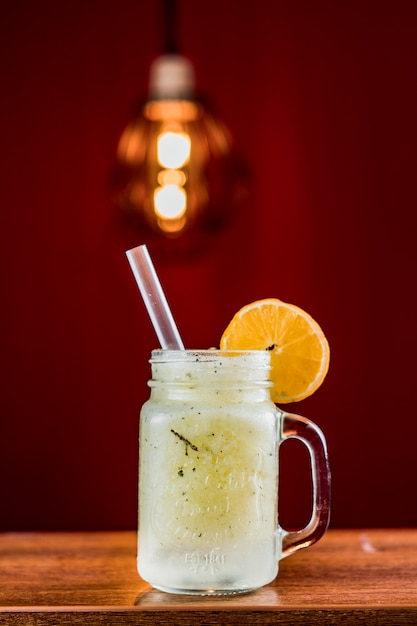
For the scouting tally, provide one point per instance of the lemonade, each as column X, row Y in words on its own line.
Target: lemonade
column 208, row 473
column 209, row 440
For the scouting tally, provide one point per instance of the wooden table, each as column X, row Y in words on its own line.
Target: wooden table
column 350, row 577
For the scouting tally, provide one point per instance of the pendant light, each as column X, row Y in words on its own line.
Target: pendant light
column 178, row 175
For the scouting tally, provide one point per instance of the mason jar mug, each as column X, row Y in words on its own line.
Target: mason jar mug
column 208, row 476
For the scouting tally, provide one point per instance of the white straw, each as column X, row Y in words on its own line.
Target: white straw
column 154, row 298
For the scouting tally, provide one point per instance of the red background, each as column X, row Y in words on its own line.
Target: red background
column 321, row 97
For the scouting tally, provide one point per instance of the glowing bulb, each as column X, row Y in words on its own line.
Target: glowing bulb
column 170, row 202
column 173, row 149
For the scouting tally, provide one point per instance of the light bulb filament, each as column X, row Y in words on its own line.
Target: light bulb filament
column 174, row 149
column 170, row 202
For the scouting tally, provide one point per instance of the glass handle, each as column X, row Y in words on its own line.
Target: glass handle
column 301, row 428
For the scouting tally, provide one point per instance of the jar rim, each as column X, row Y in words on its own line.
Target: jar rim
column 209, row 355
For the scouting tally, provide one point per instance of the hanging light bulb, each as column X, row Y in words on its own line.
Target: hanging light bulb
column 177, row 170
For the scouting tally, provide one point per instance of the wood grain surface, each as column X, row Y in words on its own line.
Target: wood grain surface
column 350, row 577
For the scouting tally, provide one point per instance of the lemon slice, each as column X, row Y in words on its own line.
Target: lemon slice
column 300, row 352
